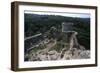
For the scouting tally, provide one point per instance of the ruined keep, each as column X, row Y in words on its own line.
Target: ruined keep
column 66, row 27
column 70, row 34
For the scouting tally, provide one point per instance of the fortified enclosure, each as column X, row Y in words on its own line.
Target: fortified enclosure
column 55, row 45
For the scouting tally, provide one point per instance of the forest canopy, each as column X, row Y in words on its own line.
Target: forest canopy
column 35, row 24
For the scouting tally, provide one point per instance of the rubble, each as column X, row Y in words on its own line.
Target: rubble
column 54, row 55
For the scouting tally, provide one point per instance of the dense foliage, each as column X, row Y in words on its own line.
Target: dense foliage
column 35, row 24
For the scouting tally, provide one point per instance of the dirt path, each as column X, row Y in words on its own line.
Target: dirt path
column 32, row 36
